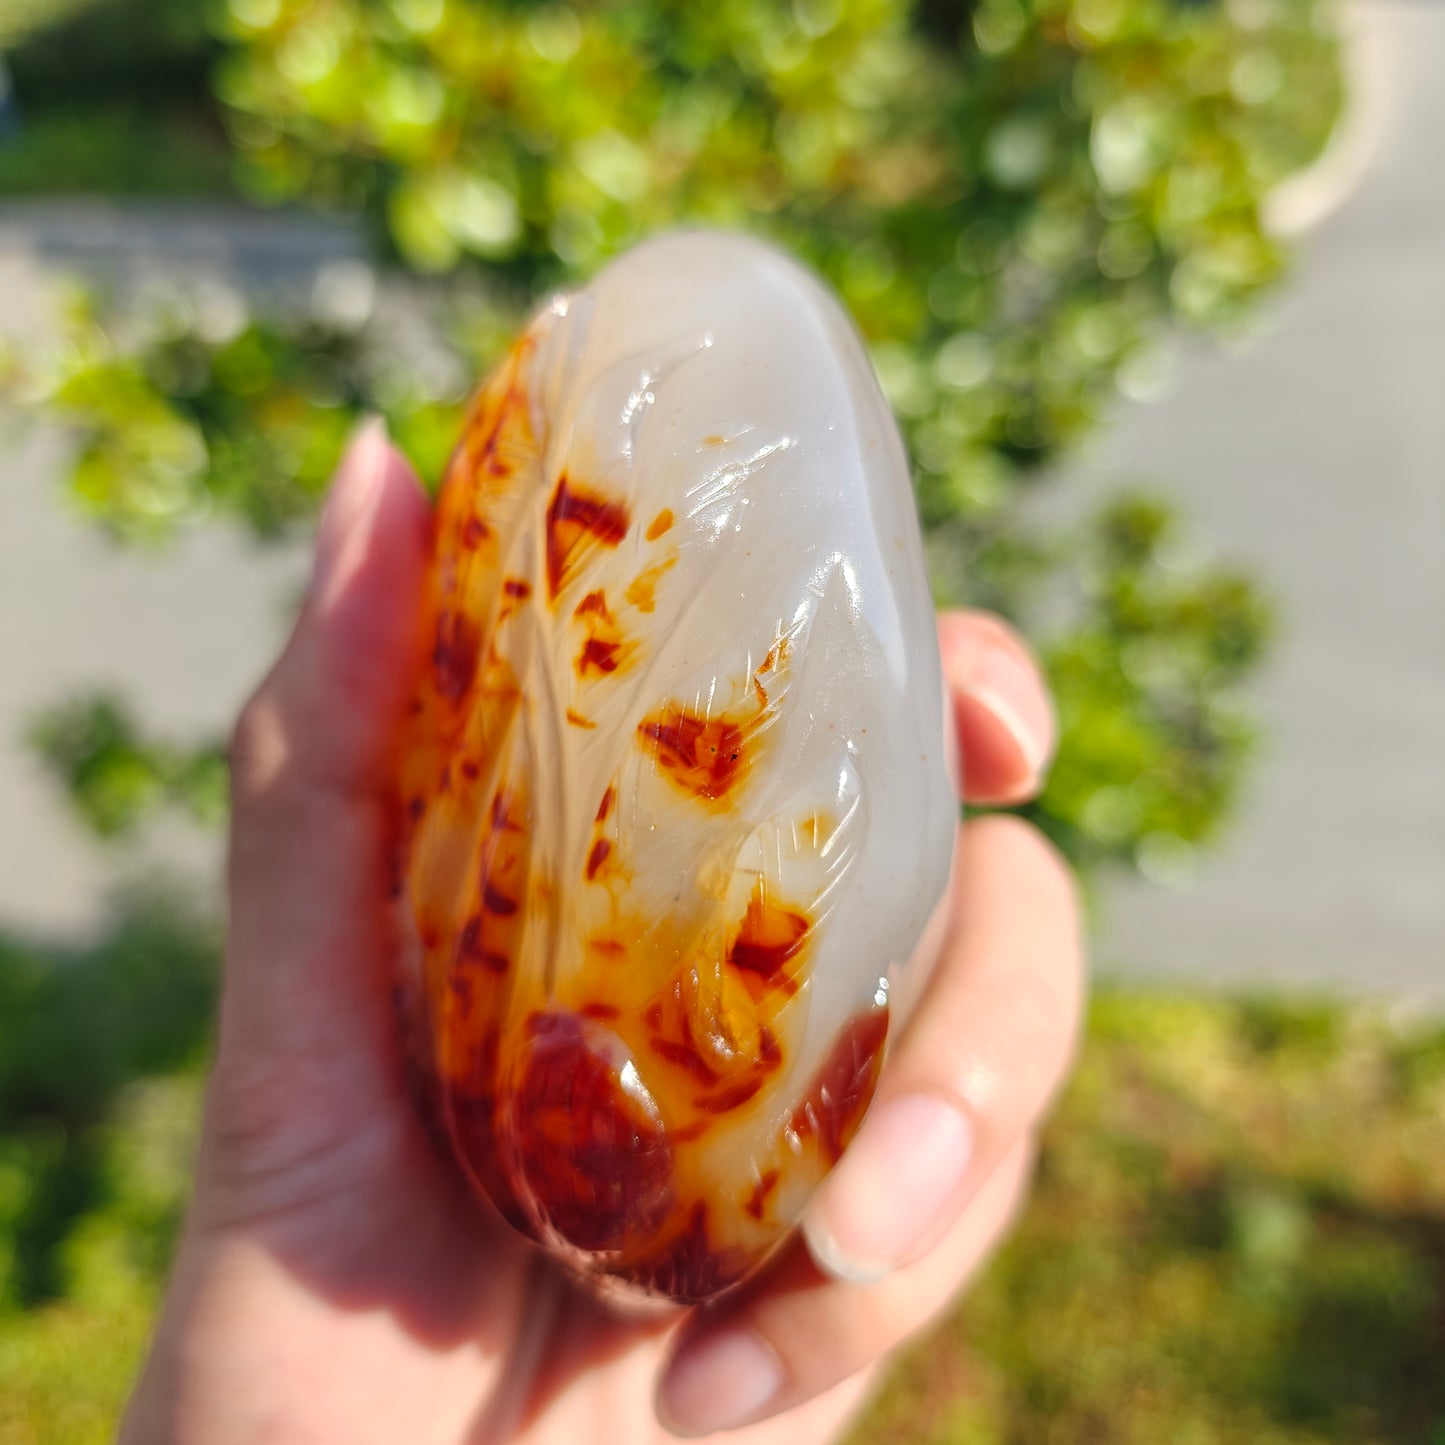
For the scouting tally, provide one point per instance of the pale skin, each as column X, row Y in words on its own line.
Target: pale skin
column 335, row 1282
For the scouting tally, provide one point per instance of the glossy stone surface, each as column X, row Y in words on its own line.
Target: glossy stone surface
column 677, row 800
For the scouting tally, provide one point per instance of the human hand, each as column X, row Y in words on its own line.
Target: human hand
column 335, row 1282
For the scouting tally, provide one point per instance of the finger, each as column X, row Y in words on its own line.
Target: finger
column 977, row 1065
column 310, row 763
column 799, row 1333
column 1001, row 707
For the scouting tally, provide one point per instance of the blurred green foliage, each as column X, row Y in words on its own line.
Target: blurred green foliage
column 87, row 1037
column 1238, row 1232
column 117, row 150
column 112, row 97
column 23, row 19
column 1019, row 200
column 116, row 776
column 102, row 44
column 204, row 412
column 1013, row 197
column 1149, row 681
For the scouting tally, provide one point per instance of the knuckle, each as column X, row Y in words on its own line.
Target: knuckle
column 1049, row 877
column 257, row 746
column 1045, row 1024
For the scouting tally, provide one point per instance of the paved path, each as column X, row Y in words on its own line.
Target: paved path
column 1317, row 455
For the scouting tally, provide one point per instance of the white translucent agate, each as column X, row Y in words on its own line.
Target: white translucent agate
column 678, row 788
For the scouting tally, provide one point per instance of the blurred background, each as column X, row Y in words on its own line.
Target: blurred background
column 1157, row 290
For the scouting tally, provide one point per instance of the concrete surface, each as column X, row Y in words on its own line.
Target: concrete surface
column 1317, row 455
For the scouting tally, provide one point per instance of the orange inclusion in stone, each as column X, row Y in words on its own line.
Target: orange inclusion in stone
column 454, row 654
column 590, row 1158
column 576, row 519
column 641, row 592
column 604, row 647
column 770, row 937
column 597, row 857
column 703, row 756
column 834, row 1105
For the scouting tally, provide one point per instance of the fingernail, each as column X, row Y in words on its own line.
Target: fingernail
column 1004, row 683
column 724, row 1381
column 889, row 1196
column 341, row 537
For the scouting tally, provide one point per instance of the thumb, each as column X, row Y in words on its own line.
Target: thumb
column 308, row 953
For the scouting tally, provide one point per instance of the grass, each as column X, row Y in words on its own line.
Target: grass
column 1238, row 1233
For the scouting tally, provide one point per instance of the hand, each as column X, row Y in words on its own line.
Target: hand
column 335, row 1283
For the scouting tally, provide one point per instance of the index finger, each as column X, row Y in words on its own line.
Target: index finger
column 1000, row 705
